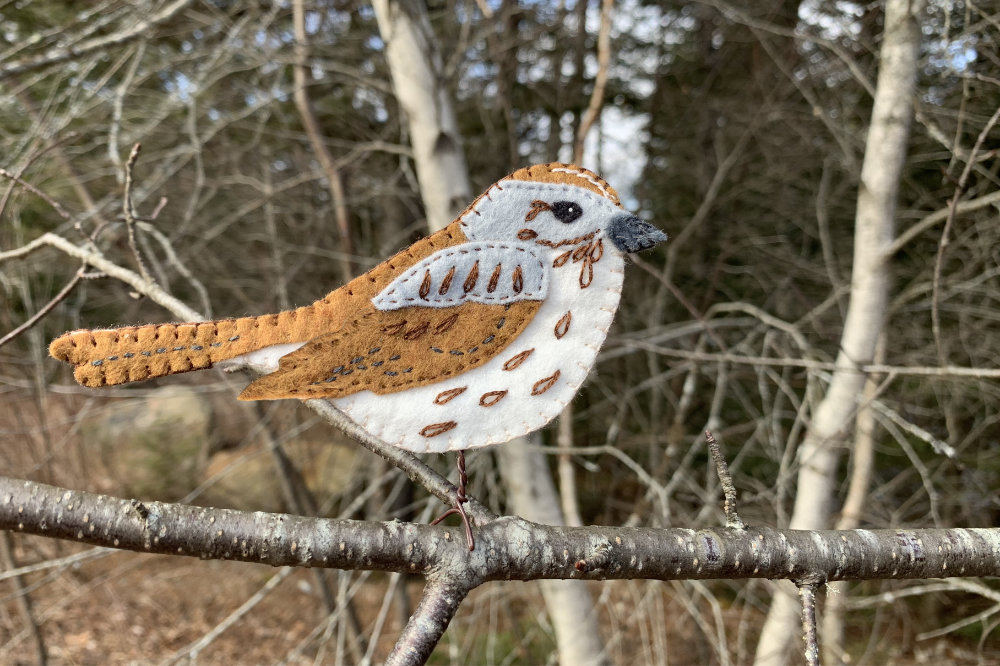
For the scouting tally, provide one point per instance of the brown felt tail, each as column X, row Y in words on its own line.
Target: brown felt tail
column 104, row 357
column 134, row 353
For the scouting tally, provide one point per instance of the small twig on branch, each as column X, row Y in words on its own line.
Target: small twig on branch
column 688, row 305
column 626, row 345
column 56, row 206
column 45, row 309
column 945, row 234
column 807, row 595
column 129, row 212
column 733, row 519
column 156, row 211
column 94, row 258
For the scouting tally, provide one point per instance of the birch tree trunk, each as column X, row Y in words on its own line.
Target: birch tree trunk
column 415, row 65
column 532, row 495
column 834, row 419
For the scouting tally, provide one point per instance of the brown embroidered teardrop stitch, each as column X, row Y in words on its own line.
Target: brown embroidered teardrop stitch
column 416, row 331
column 518, row 278
column 537, row 206
column 446, row 283
column 449, row 395
column 445, row 324
column 597, row 250
column 527, row 234
column 393, row 329
column 491, row 398
column 472, row 278
column 435, row 429
column 562, row 326
column 514, row 361
column 586, row 273
column 494, row 279
column 543, row 385
column 425, row 286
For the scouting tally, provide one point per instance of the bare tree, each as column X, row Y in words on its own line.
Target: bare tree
column 875, row 223
column 739, row 128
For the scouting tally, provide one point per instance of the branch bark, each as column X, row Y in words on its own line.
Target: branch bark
column 425, row 627
column 509, row 548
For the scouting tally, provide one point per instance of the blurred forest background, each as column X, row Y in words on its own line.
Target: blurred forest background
column 737, row 127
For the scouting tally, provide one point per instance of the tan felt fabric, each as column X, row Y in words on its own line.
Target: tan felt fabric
column 135, row 353
column 386, row 352
column 568, row 174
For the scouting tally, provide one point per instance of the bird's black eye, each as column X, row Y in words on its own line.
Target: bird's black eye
column 567, row 211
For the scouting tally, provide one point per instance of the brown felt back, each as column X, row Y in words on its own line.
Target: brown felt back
column 571, row 174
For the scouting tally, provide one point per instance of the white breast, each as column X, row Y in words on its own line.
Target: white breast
column 520, row 390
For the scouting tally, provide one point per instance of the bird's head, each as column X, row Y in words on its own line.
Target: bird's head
column 556, row 205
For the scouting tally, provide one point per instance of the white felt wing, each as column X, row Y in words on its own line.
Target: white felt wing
column 485, row 272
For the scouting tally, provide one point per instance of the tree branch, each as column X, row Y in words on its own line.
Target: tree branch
column 428, row 623
column 508, row 548
column 57, row 55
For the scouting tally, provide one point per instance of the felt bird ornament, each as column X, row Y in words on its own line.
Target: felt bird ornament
column 474, row 335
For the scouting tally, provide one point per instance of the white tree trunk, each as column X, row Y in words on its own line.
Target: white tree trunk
column 885, row 152
column 415, row 65
column 532, row 495
column 420, row 89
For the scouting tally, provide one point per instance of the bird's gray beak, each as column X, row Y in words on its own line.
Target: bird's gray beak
column 630, row 234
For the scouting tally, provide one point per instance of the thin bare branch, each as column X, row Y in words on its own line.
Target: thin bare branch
column 593, row 111
column 807, row 596
column 902, row 370
column 733, row 520
column 946, row 232
column 128, row 211
column 45, row 309
column 93, row 257
column 311, row 124
column 61, row 54
column 56, row 206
